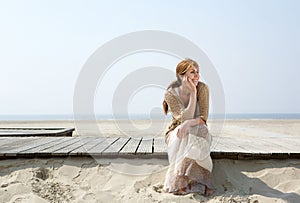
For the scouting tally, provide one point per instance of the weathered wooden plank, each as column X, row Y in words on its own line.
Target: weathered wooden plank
column 16, row 132
column 4, row 151
column 6, row 141
column 83, row 150
column 222, row 147
column 131, row 146
column 67, row 149
column 12, row 132
column 273, row 146
column 224, row 155
column 258, row 148
column 225, row 144
column 35, row 144
column 44, row 146
column 116, row 147
column 145, row 146
column 251, row 146
column 283, row 144
column 97, row 150
column 159, row 145
column 218, row 147
column 53, row 149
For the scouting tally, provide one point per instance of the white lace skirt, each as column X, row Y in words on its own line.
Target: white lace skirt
column 190, row 162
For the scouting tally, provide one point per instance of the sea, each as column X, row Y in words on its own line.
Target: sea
column 145, row 116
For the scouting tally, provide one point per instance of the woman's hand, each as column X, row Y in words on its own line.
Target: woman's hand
column 184, row 129
column 188, row 85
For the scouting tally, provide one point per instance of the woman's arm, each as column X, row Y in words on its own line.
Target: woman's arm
column 203, row 101
column 189, row 87
column 195, row 121
column 189, row 111
column 185, row 126
column 201, row 117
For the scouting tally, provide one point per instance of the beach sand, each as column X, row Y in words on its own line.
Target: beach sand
column 85, row 179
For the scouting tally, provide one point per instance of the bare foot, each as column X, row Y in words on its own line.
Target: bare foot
column 208, row 191
column 180, row 192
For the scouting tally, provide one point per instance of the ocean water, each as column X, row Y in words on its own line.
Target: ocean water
column 145, row 117
column 263, row 116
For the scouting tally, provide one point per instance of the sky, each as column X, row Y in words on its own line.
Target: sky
column 253, row 45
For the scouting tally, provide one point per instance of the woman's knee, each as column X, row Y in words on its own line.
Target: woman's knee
column 200, row 130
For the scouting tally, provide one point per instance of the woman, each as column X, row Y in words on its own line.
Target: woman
column 187, row 138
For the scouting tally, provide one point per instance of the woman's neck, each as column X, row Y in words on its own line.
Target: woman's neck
column 182, row 91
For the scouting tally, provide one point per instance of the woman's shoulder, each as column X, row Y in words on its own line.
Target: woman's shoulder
column 170, row 94
column 169, row 91
column 202, row 85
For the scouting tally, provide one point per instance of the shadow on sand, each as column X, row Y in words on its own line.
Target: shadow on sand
column 232, row 178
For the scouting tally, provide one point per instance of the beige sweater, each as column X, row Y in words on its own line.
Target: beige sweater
column 176, row 106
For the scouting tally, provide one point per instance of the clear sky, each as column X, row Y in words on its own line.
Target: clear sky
column 254, row 45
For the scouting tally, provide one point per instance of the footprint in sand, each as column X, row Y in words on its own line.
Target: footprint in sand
column 158, row 188
column 46, row 187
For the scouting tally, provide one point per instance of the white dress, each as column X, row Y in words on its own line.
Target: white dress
column 189, row 158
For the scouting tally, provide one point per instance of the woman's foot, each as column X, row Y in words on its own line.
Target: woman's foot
column 180, row 192
column 208, row 191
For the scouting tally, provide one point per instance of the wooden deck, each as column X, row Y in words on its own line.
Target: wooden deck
column 28, row 132
column 222, row 147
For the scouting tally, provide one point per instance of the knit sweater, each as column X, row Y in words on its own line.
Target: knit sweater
column 176, row 106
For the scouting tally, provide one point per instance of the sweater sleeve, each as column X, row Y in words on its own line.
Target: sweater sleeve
column 175, row 106
column 203, row 101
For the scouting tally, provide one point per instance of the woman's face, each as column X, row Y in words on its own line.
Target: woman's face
column 193, row 75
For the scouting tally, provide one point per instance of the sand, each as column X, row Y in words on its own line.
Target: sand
column 86, row 180
column 140, row 180
column 136, row 128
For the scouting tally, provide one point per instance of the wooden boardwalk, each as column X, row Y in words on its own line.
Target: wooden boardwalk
column 45, row 132
column 222, row 147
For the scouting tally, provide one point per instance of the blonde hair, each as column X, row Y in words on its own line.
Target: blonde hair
column 181, row 69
